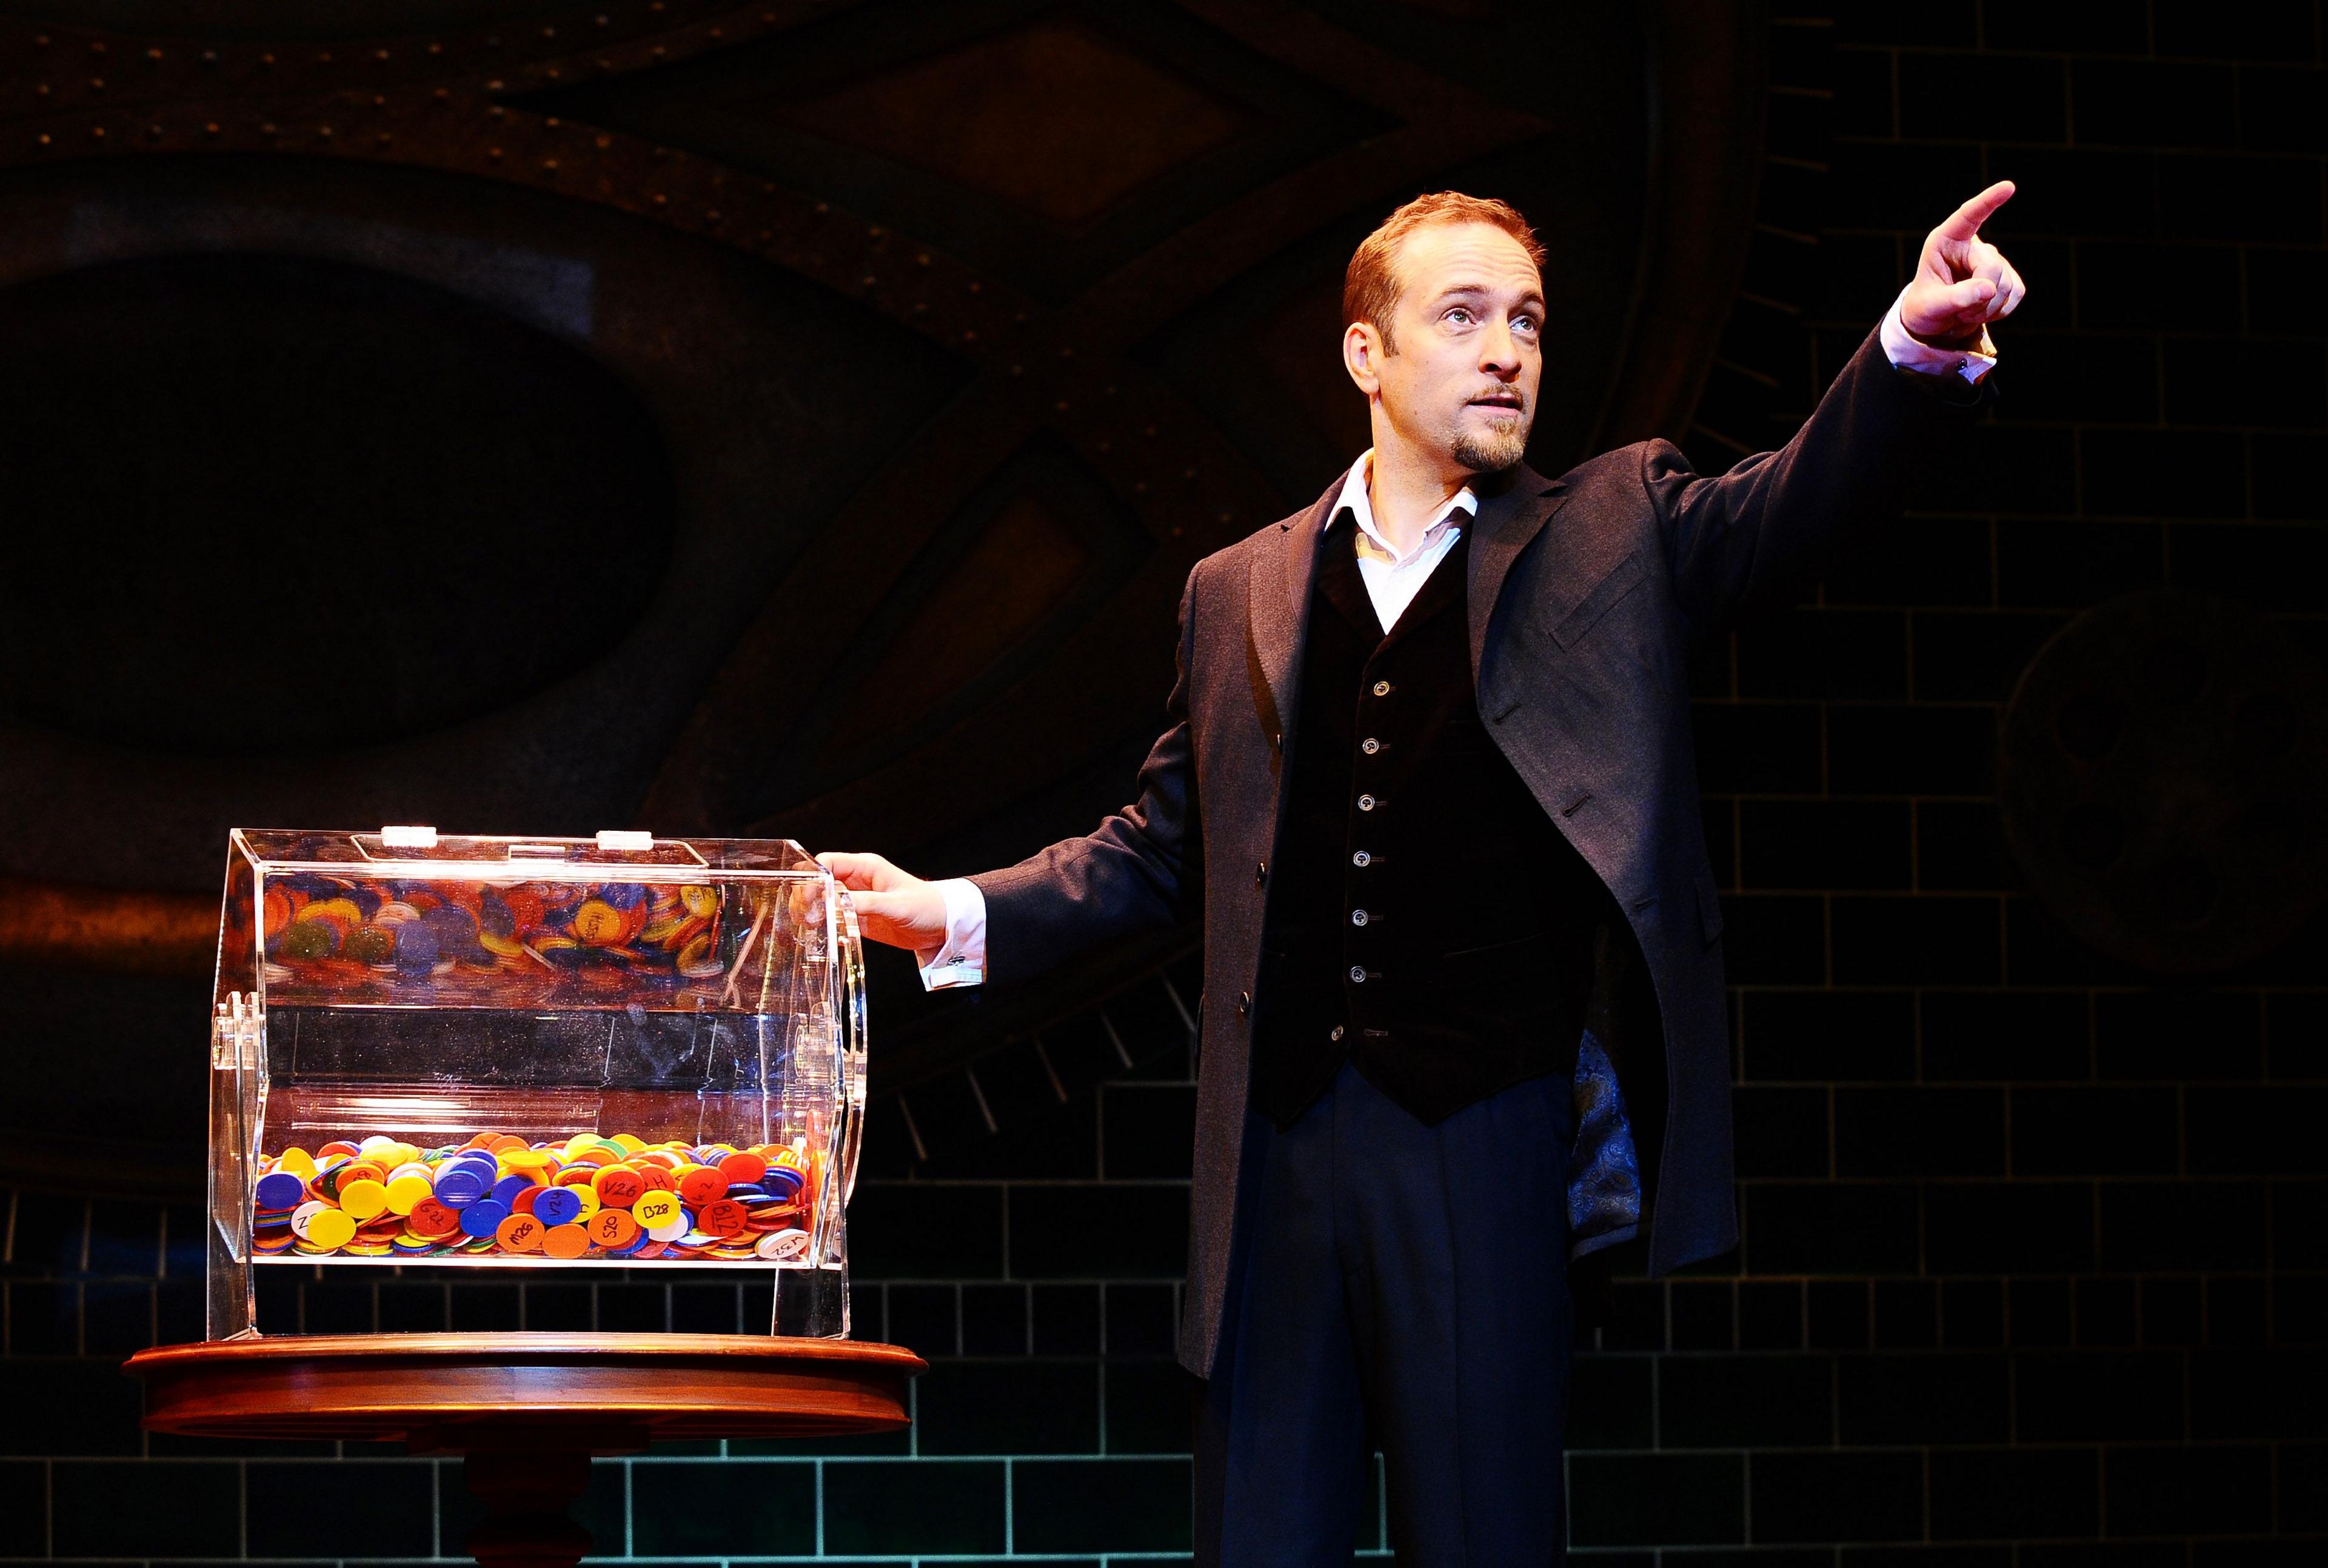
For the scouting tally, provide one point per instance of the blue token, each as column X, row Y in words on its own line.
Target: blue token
column 483, row 1218
column 460, row 1187
column 506, row 1190
column 558, row 1206
column 281, row 1190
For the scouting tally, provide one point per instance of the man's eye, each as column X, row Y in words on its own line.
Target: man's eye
column 1461, row 314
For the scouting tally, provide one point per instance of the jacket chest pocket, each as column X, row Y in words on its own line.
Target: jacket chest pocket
column 1604, row 595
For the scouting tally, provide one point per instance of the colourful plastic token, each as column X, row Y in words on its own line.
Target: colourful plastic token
column 330, row 1230
column 433, row 1220
column 784, row 1245
column 705, row 1184
column 565, row 1241
column 656, row 1208
column 305, row 1215
column 618, row 1187
column 364, row 1200
column 482, row 1218
column 612, row 1228
column 280, row 1190
column 298, row 1162
column 520, row 1233
column 742, row 1169
column 723, row 1217
column 556, row 1205
column 406, row 1193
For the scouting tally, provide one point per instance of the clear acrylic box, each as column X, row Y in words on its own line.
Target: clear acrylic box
column 620, row 1052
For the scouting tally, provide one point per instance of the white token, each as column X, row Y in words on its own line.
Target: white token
column 672, row 1229
column 305, row 1215
column 375, row 1143
column 414, row 1168
column 783, row 1245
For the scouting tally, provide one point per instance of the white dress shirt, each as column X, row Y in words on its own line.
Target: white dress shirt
column 1392, row 582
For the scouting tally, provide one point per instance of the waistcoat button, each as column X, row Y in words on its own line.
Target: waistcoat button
column 1336, row 1033
column 1245, row 1002
column 1370, row 745
column 1260, row 872
column 1381, row 688
column 1357, row 917
column 1362, row 859
column 1357, row 975
column 1365, row 802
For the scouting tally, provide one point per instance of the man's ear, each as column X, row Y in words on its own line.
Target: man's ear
column 1362, row 352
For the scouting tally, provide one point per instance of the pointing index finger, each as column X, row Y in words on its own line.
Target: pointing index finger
column 1966, row 220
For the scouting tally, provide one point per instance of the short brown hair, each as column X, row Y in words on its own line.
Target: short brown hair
column 1370, row 289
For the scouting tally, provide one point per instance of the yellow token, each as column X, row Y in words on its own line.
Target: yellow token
column 655, row 1208
column 529, row 1162
column 404, row 1193
column 631, row 1143
column 331, row 1230
column 362, row 1199
column 589, row 1197
column 298, row 1162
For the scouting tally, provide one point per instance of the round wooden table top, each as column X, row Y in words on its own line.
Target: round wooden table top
column 605, row 1392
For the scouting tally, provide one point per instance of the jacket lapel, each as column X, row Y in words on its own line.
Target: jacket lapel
column 1277, row 605
column 1510, row 517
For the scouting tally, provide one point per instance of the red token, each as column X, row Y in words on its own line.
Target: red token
column 618, row 1187
column 431, row 1219
column 725, row 1217
column 524, row 1202
column 742, row 1170
column 699, row 1188
column 654, row 1178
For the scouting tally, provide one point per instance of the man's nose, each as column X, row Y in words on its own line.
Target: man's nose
column 1499, row 352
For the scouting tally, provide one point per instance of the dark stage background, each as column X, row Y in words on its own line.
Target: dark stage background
column 799, row 419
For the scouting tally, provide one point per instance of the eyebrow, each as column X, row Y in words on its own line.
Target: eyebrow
column 1456, row 291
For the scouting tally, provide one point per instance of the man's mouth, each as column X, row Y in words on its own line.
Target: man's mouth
column 1504, row 402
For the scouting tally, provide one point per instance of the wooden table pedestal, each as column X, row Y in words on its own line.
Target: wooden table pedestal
column 525, row 1411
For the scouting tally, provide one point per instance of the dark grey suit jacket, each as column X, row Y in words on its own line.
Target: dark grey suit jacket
column 1583, row 595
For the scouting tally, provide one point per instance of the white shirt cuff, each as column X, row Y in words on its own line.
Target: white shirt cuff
column 961, row 959
column 1907, row 353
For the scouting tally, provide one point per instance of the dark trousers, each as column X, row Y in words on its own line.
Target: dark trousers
column 1397, row 1286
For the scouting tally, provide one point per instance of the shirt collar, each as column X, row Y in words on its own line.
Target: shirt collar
column 1361, row 507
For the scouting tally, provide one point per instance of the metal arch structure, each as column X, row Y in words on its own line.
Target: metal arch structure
column 1092, row 380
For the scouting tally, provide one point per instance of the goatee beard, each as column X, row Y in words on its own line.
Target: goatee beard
column 1493, row 451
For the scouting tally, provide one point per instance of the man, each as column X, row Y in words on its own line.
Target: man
column 1428, row 774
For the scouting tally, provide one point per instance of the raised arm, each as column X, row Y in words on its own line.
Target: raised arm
column 1880, row 431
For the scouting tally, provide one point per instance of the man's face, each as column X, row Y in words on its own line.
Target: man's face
column 1466, row 350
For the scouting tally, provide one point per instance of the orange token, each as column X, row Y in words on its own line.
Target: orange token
column 701, row 1186
column 725, row 1217
column 618, row 1187
column 520, row 1233
column 742, row 1170
column 565, row 1241
column 581, row 1173
column 611, row 1228
column 502, row 1140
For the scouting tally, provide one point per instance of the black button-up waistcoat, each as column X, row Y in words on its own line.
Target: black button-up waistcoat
column 1425, row 919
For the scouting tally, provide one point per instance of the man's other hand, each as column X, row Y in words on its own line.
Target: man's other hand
column 892, row 906
column 1962, row 282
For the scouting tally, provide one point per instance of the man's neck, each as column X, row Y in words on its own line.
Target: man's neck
column 1408, row 497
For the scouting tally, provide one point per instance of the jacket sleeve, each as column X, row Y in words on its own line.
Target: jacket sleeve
column 1745, row 536
column 1139, row 870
